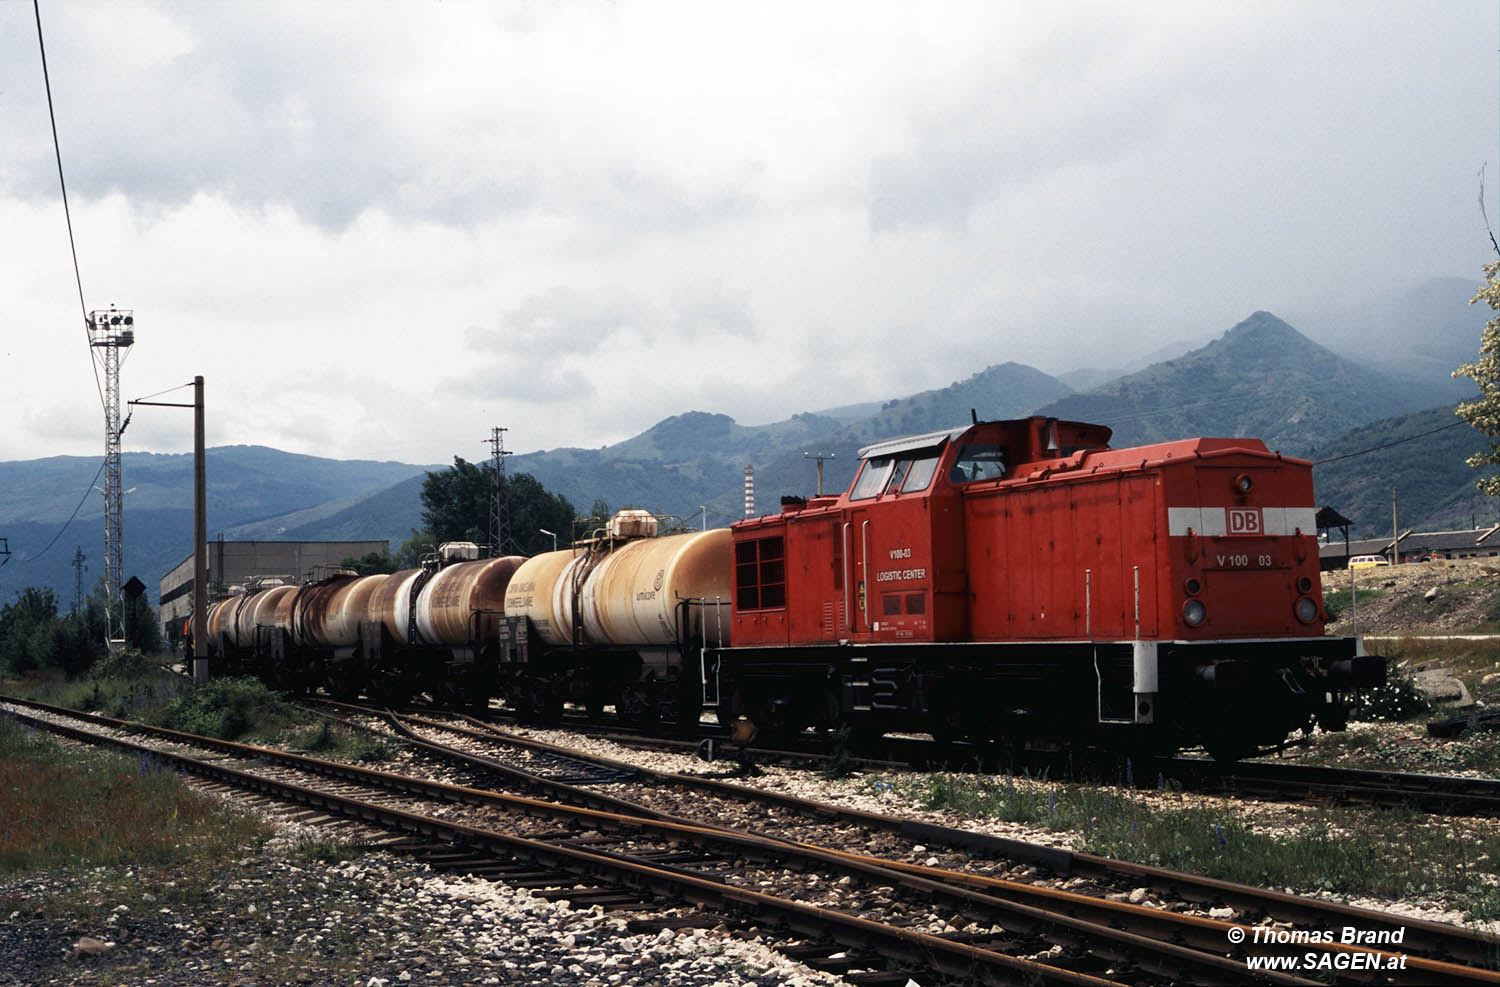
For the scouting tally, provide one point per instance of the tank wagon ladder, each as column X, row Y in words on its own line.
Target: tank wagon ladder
column 708, row 682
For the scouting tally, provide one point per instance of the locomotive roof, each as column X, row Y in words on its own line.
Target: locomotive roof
column 925, row 441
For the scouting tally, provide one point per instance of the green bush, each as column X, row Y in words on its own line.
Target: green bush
column 127, row 663
column 227, row 709
column 1395, row 701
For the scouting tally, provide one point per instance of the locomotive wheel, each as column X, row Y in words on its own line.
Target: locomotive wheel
column 1230, row 749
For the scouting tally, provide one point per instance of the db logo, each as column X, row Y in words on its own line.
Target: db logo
column 1245, row 521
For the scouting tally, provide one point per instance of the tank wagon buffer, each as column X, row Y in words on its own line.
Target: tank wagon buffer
column 1021, row 581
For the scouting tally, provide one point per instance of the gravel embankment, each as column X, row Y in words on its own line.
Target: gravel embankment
column 377, row 921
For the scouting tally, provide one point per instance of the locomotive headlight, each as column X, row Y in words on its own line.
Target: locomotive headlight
column 1242, row 483
column 1194, row 612
column 1307, row 610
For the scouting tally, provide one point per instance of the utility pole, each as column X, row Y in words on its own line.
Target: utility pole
column 200, row 530
column 200, row 540
column 1395, row 532
column 820, row 457
column 111, row 331
column 78, row 570
column 4, row 551
column 499, row 509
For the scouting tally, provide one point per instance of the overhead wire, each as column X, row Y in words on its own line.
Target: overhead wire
column 1393, row 442
column 71, row 517
column 62, row 184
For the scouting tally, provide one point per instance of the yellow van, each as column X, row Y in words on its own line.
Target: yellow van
column 1368, row 561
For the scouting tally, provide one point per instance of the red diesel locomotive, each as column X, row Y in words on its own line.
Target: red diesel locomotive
column 1020, row 580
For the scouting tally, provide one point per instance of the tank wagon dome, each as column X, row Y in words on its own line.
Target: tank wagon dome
column 633, row 596
column 447, row 604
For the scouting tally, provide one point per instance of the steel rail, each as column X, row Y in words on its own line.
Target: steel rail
column 1204, row 934
column 1157, row 956
column 1436, row 940
column 907, row 945
column 1450, row 794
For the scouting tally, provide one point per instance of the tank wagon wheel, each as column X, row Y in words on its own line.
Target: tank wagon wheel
column 689, row 704
column 343, row 680
column 594, row 701
column 541, row 703
column 635, row 707
column 731, row 706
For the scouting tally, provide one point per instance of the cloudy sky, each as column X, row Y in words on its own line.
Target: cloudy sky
column 378, row 229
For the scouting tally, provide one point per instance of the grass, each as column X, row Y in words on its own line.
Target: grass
column 1386, row 853
column 330, row 740
column 229, row 709
column 91, row 808
column 1336, row 601
column 131, row 696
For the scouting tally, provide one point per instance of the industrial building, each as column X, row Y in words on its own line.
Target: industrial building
column 1416, row 546
column 232, row 563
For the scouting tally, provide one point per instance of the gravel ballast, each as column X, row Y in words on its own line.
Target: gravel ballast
column 375, row 921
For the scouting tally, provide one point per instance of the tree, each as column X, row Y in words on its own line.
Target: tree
column 1484, row 412
column 371, row 563
column 28, row 627
column 456, row 507
column 409, row 555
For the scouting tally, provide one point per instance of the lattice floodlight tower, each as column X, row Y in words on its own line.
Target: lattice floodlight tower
column 112, row 331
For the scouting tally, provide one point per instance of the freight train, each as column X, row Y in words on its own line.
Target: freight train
column 1015, row 581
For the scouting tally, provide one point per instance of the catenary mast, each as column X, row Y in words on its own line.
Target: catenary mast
column 112, row 331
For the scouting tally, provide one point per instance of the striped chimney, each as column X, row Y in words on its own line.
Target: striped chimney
column 749, row 491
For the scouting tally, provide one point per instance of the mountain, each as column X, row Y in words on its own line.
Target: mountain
column 1420, row 332
column 698, row 459
column 1262, row 378
column 1088, row 378
column 245, row 484
column 1422, row 456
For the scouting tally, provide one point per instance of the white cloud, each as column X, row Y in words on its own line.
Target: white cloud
column 377, row 231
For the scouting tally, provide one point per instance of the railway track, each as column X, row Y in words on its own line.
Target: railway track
column 1448, row 794
column 627, row 853
column 1438, row 794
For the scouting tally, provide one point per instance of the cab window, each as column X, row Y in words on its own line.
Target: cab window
column 909, row 473
column 919, row 477
column 980, row 462
column 872, row 479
